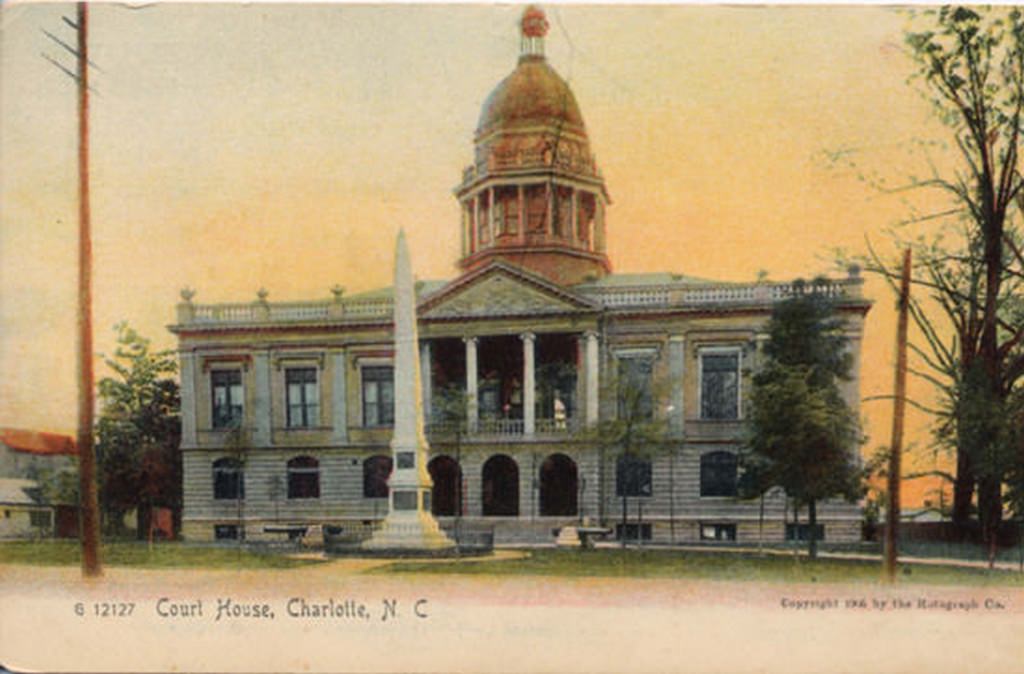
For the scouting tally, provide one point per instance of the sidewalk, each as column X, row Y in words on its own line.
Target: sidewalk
column 802, row 552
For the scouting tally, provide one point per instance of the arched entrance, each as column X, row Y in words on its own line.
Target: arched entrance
column 558, row 484
column 500, row 487
column 447, row 475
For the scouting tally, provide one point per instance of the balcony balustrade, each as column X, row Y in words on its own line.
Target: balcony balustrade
column 501, row 429
column 679, row 295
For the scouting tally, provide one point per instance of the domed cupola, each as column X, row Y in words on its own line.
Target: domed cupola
column 534, row 195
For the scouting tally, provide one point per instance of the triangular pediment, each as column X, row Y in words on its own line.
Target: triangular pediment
column 502, row 291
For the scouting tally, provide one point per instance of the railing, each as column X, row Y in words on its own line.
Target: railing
column 298, row 311
column 283, row 312
column 501, row 428
column 223, row 313
column 681, row 294
column 632, row 297
column 668, row 295
column 554, row 426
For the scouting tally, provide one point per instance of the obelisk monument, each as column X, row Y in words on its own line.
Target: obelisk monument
column 409, row 525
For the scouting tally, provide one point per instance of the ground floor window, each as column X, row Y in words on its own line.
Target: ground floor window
column 303, row 477
column 39, row 518
column 710, row 531
column 802, row 532
column 376, row 470
column 228, row 479
column 718, row 474
column 633, row 476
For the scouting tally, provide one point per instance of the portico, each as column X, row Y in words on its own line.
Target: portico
column 530, row 384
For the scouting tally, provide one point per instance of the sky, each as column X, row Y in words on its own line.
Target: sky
column 236, row 147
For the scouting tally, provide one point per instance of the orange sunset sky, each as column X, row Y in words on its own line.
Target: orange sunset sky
column 236, row 147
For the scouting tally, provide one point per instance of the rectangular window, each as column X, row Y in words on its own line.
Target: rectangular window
column 718, row 474
column 378, row 396
column 633, row 476
column 227, row 398
column 633, row 532
column 717, row 532
column 226, row 532
column 39, row 518
column 303, row 397
column 636, row 401
column 720, row 386
column 802, row 532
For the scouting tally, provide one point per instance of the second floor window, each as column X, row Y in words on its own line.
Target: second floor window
column 720, row 386
column 227, row 398
column 303, row 397
column 378, row 396
column 636, row 400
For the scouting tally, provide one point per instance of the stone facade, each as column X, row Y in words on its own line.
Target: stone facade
column 286, row 405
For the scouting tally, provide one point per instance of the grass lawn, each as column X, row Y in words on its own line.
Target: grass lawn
column 137, row 554
column 704, row 566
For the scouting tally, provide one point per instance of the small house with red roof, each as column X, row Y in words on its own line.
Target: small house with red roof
column 23, row 451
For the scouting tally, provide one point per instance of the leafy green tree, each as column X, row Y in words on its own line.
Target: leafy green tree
column 802, row 436
column 56, row 485
column 970, row 67
column 138, row 430
column 633, row 435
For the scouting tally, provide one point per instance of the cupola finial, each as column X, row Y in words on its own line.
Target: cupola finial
column 533, row 27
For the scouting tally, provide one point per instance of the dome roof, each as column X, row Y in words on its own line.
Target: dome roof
column 533, row 95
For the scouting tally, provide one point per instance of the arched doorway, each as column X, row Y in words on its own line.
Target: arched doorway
column 558, row 483
column 447, row 475
column 500, row 487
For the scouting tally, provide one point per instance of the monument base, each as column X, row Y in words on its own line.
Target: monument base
column 403, row 534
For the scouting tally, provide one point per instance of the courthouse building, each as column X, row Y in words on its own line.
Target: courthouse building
column 287, row 407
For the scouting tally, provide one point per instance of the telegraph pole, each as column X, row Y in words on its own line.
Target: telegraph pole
column 892, row 517
column 88, row 499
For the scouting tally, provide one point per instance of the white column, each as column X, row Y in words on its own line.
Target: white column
column 188, row 399
column 677, row 374
column 261, row 399
column 592, row 372
column 339, row 397
column 529, row 385
column 426, row 379
column 472, row 397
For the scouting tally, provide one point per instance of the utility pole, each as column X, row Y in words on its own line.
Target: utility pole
column 88, row 499
column 892, row 517
column 91, row 566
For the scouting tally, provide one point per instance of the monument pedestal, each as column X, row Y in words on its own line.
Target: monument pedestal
column 409, row 527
